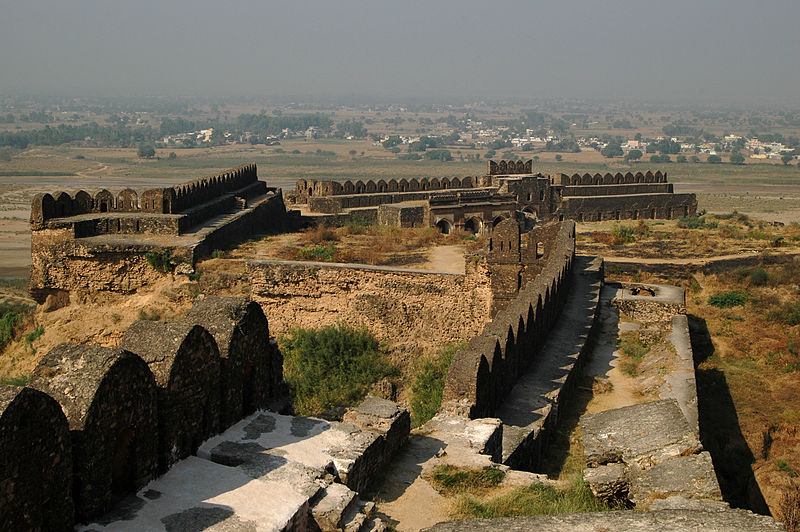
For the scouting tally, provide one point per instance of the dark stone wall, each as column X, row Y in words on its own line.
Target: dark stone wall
column 251, row 367
column 306, row 190
column 481, row 375
column 35, row 462
column 109, row 399
column 632, row 207
column 168, row 200
column 184, row 359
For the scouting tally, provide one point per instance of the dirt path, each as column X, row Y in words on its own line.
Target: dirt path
column 674, row 260
column 445, row 259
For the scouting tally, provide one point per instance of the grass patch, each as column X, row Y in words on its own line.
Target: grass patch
column 622, row 234
column 536, row 499
column 729, row 299
column 332, row 366
column 633, row 350
column 12, row 316
column 319, row 252
column 428, row 383
column 149, row 315
column 20, row 380
column 449, row 479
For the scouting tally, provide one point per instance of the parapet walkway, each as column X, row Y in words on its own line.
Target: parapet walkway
column 533, row 403
column 272, row 472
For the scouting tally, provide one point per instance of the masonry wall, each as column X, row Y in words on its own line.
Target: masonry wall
column 631, row 207
column 481, row 375
column 86, row 431
column 416, row 310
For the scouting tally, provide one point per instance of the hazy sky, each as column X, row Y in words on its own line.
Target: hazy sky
column 727, row 51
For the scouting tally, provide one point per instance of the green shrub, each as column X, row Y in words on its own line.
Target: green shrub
column 758, row 276
column 789, row 314
column 356, row 225
column 622, row 234
column 216, row 254
column 160, row 261
column 692, row 222
column 149, row 315
column 449, row 479
column 33, row 336
column 321, row 252
column 20, row 380
column 730, row 299
column 536, row 499
column 332, row 366
column 10, row 316
column 428, row 383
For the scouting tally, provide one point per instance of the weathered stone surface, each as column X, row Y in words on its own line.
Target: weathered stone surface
column 691, row 477
column 622, row 521
column 330, row 511
column 109, row 399
column 251, row 366
column 643, row 435
column 608, row 482
column 415, row 309
column 35, row 462
column 185, row 362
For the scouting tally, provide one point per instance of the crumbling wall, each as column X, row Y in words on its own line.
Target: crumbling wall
column 480, row 375
column 415, row 309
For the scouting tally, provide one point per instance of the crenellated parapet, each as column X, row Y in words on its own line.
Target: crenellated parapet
column 504, row 167
column 612, row 179
column 165, row 200
column 481, row 375
column 306, row 189
column 95, row 423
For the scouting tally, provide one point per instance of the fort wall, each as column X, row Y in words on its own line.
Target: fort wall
column 480, row 375
column 630, row 207
column 416, row 309
column 98, row 423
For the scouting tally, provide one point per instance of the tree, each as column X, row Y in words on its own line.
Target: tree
column 559, row 157
column 438, row 155
column 681, row 158
column 786, row 157
column 612, row 149
column 714, row 159
column 147, row 151
column 633, row 155
column 694, row 159
column 737, row 158
column 489, row 154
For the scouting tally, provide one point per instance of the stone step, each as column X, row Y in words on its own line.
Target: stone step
column 332, row 510
column 375, row 524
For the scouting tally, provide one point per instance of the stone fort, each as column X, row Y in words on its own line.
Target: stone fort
column 201, row 403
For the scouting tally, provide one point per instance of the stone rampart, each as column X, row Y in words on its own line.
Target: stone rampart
column 480, row 375
column 617, row 190
column 611, row 179
column 307, row 189
column 96, row 423
column 169, row 200
column 629, row 207
column 416, row 309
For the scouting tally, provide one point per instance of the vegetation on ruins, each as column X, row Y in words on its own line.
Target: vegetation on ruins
column 332, row 366
column 428, row 383
column 449, row 479
column 160, row 261
column 535, row 499
column 633, row 350
column 729, row 299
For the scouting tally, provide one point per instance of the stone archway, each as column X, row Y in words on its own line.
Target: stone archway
column 474, row 225
column 444, row 226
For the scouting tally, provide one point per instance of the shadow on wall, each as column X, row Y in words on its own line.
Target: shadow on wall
column 719, row 427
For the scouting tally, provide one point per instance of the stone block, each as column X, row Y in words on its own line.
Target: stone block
column 691, row 477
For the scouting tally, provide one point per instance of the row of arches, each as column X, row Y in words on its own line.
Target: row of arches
column 651, row 212
column 504, row 167
column 487, row 369
column 112, row 419
column 614, row 179
column 335, row 188
column 473, row 224
column 205, row 189
column 159, row 200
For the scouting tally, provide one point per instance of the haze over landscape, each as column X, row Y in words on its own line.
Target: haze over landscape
column 732, row 52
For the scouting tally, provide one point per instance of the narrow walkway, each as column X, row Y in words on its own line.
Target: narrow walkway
column 534, row 401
